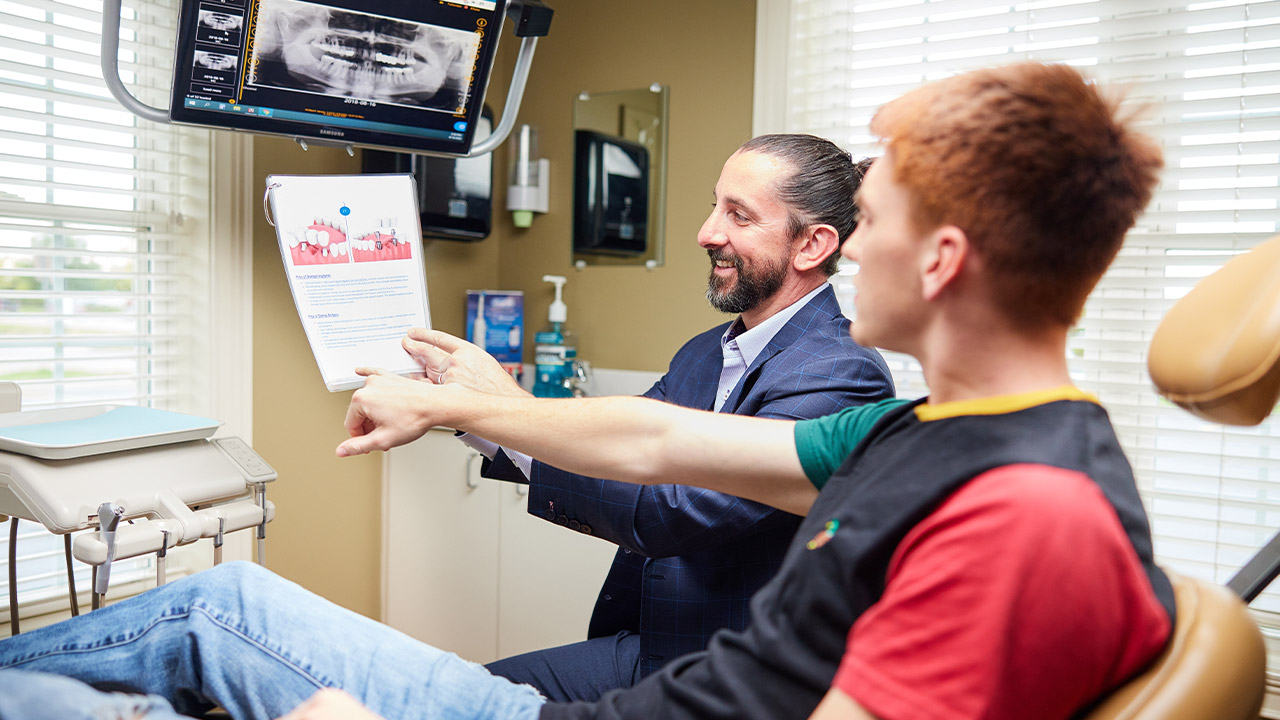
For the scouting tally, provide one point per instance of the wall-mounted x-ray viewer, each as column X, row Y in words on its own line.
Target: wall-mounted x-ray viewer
column 611, row 194
column 379, row 73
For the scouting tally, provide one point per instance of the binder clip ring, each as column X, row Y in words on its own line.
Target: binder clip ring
column 266, row 207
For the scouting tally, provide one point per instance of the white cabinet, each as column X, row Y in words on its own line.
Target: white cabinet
column 467, row 569
column 548, row 578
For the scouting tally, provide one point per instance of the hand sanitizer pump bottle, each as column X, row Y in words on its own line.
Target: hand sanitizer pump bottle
column 554, row 351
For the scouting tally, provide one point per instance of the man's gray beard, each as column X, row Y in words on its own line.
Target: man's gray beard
column 752, row 288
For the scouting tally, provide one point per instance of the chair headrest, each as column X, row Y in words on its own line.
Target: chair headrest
column 1216, row 353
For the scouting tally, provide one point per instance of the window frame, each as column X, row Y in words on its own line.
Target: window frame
column 222, row 336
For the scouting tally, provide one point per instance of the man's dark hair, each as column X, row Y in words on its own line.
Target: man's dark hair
column 821, row 185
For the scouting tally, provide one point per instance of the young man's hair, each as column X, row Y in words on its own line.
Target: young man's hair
column 819, row 189
column 1036, row 167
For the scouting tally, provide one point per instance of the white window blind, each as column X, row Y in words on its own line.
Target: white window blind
column 1211, row 71
column 103, row 220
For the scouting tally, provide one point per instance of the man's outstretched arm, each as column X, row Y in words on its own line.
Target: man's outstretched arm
column 630, row 439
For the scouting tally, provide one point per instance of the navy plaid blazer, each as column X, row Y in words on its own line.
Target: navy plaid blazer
column 690, row 559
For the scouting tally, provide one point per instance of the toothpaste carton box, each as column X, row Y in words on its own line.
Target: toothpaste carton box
column 495, row 322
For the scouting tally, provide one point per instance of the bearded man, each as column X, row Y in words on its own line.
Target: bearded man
column 690, row 559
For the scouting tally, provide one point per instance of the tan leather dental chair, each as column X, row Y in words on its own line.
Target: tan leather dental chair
column 1213, row 669
column 1216, row 354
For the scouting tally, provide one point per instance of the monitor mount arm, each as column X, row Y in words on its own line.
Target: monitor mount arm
column 531, row 19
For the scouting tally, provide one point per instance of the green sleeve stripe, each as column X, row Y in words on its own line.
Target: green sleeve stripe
column 824, row 443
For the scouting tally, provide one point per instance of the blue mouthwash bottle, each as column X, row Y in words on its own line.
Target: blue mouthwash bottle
column 554, row 349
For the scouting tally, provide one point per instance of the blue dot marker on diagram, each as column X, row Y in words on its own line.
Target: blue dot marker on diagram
column 345, row 210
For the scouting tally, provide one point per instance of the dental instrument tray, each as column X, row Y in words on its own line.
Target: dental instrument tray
column 64, row 433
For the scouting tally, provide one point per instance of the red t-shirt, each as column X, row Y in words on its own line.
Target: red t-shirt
column 1019, row 597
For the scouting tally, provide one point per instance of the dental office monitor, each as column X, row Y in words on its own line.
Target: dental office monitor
column 398, row 74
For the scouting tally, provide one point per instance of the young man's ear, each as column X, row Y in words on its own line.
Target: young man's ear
column 816, row 244
column 945, row 254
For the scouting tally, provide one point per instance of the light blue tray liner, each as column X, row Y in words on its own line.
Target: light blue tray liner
column 118, row 423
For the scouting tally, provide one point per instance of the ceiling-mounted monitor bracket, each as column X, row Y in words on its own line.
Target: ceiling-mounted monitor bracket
column 530, row 20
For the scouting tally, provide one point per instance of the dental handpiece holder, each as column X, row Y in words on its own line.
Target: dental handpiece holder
column 143, row 480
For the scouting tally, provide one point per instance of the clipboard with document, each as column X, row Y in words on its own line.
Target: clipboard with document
column 352, row 251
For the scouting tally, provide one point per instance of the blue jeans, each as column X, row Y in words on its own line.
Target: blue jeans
column 30, row 695
column 258, row 645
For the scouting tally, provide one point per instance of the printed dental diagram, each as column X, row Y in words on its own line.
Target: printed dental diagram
column 382, row 243
column 320, row 243
column 309, row 47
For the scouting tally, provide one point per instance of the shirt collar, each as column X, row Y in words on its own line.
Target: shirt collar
column 1002, row 404
column 752, row 342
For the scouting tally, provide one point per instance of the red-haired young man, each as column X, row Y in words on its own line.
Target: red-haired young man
column 981, row 552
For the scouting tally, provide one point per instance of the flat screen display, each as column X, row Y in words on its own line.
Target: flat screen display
column 403, row 74
column 455, row 195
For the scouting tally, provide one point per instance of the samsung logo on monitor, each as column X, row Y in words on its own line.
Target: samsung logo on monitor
column 334, row 133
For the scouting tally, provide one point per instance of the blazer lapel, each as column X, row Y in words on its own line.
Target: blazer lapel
column 822, row 307
column 707, row 384
column 701, row 373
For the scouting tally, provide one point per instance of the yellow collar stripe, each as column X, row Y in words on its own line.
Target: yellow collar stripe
column 1002, row 404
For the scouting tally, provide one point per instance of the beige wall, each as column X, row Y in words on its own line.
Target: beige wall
column 326, row 535
column 628, row 317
